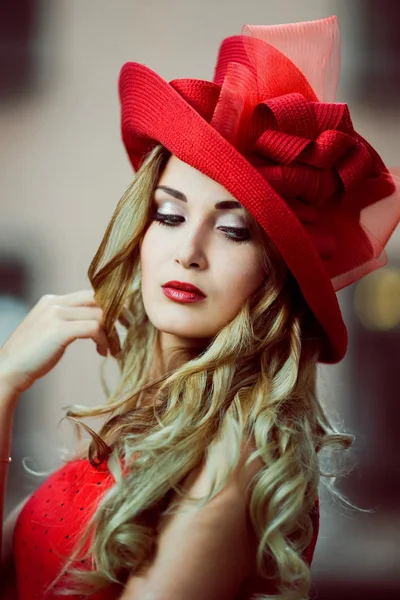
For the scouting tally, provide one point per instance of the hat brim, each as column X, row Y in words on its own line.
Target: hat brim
column 154, row 112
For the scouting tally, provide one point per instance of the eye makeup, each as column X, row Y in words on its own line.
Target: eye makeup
column 234, row 234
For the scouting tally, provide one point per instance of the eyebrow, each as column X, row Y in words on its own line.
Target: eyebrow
column 223, row 204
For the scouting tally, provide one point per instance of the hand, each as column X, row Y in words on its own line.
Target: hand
column 39, row 342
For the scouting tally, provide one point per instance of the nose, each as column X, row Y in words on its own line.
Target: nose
column 190, row 252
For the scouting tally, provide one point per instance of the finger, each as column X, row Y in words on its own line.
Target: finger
column 73, row 330
column 79, row 298
column 79, row 313
column 102, row 351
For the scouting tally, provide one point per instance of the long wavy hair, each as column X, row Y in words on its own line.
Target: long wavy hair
column 255, row 380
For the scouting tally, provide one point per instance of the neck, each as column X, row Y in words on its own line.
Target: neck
column 171, row 352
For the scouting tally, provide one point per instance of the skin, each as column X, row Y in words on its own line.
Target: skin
column 196, row 249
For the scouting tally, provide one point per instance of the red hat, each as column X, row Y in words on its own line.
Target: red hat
column 268, row 129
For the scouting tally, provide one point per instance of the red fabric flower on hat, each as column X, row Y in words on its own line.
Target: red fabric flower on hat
column 307, row 149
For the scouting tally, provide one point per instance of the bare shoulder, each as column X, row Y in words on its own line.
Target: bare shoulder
column 203, row 553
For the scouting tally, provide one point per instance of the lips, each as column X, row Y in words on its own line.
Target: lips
column 184, row 287
column 183, row 293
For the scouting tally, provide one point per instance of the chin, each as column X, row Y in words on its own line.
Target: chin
column 184, row 331
column 182, row 320
column 182, row 326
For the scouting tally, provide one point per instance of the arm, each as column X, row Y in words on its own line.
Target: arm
column 203, row 554
column 31, row 351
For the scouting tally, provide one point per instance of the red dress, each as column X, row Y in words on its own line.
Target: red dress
column 51, row 521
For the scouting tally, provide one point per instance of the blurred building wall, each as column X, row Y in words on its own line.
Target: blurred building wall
column 63, row 169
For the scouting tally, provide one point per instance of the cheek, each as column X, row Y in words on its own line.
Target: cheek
column 244, row 273
column 147, row 267
column 150, row 252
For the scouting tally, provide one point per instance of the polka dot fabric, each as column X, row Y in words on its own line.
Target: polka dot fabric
column 49, row 526
column 54, row 517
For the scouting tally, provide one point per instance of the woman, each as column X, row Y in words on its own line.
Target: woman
column 221, row 262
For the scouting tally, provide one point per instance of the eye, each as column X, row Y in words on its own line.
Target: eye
column 168, row 220
column 236, row 234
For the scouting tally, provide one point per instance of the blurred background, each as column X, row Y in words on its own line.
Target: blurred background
column 63, row 169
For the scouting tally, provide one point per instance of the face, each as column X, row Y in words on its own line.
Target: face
column 198, row 235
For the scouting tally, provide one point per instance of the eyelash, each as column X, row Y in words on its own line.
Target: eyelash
column 165, row 220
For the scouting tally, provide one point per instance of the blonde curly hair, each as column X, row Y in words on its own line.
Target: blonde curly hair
column 255, row 380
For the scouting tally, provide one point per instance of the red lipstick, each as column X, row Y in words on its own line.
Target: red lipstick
column 181, row 291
